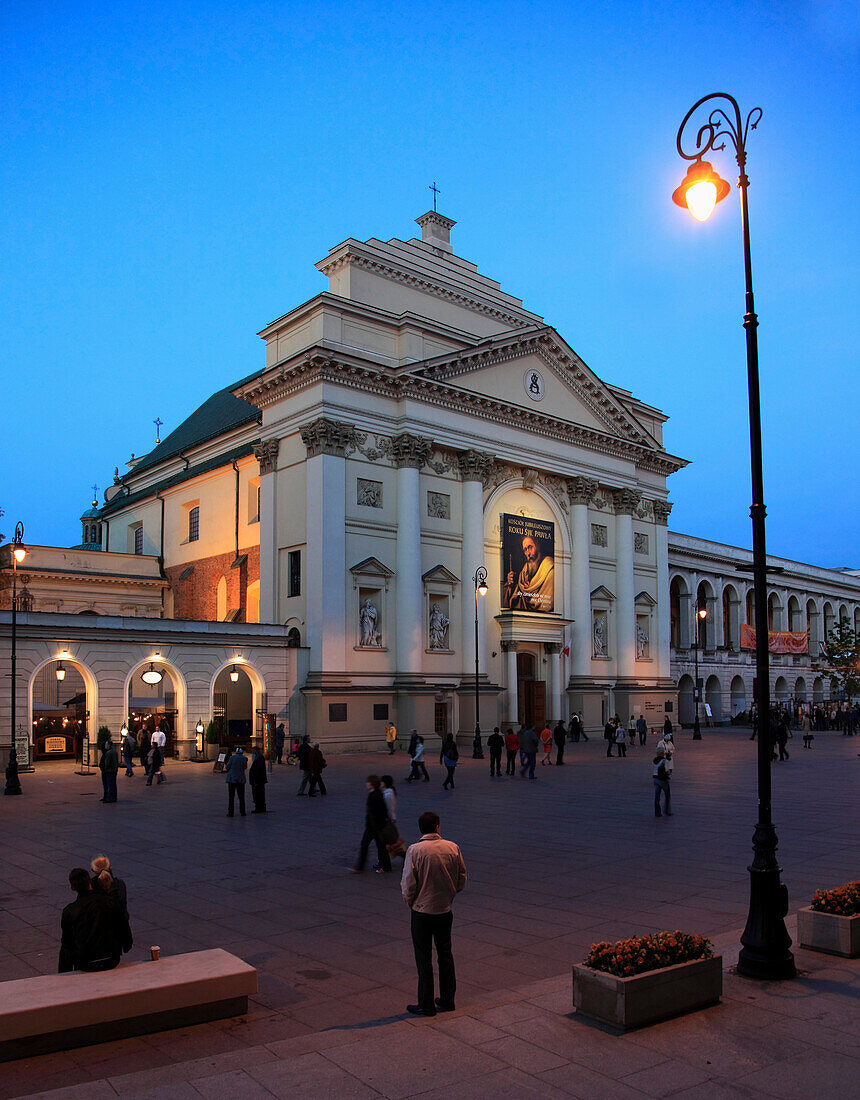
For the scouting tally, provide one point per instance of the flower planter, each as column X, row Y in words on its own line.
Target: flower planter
column 649, row 997
column 829, row 932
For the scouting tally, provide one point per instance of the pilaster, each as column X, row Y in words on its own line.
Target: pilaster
column 581, row 491
column 626, row 501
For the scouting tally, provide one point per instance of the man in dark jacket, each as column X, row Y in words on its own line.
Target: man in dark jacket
column 559, row 735
column 109, row 766
column 316, row 763
column 154, row 762
column 529, row 742
column 495, row 743
column 95, row 930
column 235, row 768
column 258, row 779
column 303, row 755
column 375, row 820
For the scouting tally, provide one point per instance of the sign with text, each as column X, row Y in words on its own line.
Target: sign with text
column 778, row 641
column 22, row 748
column 528, row 570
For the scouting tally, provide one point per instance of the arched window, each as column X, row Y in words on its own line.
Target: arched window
column 221, row 600
column 751, row 607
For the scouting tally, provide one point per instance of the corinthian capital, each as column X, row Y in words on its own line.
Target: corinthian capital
column 410, row 450
column 475, row 465
column 581, row 490
column 266, row 453
column 626, row 501
column 662, row 508
column 328, row 437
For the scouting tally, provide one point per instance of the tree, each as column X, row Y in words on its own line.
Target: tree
column 840, row 660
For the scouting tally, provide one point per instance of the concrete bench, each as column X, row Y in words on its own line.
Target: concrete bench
column 59, row 1011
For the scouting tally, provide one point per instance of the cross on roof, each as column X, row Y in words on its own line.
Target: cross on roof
column 158, row 422
column 435, row 191
column 95, row 494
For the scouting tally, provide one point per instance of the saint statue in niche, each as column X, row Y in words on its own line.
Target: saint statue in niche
column 439, row 624
column 641, row 641
column 599, row 635
column 367, row 617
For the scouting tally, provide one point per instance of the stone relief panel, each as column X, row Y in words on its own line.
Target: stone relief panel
column 640, row 542
column 599, row 534
column 368, row 494
column 438, row 505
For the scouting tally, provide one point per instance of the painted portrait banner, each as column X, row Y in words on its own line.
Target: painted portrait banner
column 778, row 641
column 528, row 571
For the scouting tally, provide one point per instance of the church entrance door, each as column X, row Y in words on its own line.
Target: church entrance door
column 531, row 693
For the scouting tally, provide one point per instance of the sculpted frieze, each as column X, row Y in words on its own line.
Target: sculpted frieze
column 409, row 450
column 662, row 508
column 266, row 453
column 475, row 466
column 626, row 501
column 581, row 490
column 329, row 437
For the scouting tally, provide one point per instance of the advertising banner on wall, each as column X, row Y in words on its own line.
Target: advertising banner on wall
column 528, row 573
column 778, row 641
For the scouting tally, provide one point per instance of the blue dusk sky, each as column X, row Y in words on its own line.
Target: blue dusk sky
column 172, row 171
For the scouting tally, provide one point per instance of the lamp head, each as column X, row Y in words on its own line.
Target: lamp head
column 20, row 553
column 234, row 674
column 701, row 190
column 482, row 588
column 702, row 613
column 59, row 671
column 152, row 675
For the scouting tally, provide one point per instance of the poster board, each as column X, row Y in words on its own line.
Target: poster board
column 220, row 761
column 528, row 572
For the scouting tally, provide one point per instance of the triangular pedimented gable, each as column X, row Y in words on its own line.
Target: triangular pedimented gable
column 371, row 569
column 566, row 388
column 440, row 575
column 646, row 598
column 602, row 593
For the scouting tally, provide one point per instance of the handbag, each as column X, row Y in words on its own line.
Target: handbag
column 389, row 833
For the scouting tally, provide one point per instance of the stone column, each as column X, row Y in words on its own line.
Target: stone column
column 266, row 453
column 626, row 501
column 553, row 651
column 475, row 466
column 324, row 570
column 581, row 491
column 663, row 611
column 409, row 453
column 510, row 651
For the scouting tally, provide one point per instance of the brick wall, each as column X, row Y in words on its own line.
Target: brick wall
column 196, row 597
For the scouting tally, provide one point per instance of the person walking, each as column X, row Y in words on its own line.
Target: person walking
column 621, row 740
column 559, row 736
column 529, row 742
column 575, row 728
column 449, row 756
column 418, row 765
column 495, row 743
column 316, row 763
column 109, row 766
column 235, row 768
column 391, row 833
column 609, row 736
column 512, row 744
column 303, row 755
column 413, row 741
column 391, row 738
column 546, row 744
column 433, row 874
column 667, row 747
column 258, row 779
column 129, row 747
column 375, row 820
column 631, row 732
column 668, row 727
column 662, row 779
column 782, row 737
column 144, row 745
column 154, row 760
column 642, row 729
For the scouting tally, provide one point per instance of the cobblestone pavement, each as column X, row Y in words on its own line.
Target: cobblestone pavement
column 554, row 865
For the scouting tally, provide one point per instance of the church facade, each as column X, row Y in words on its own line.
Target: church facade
column 430, row 498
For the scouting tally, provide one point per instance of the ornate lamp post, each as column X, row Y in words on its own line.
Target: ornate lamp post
column 13, row 783
column 766, row 943
column 480, row 579
column 701, row 615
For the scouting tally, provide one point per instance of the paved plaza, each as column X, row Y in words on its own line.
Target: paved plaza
column 553, row 865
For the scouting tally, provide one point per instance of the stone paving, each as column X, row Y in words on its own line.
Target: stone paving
column 554, row 865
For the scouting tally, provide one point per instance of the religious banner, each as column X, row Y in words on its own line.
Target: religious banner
column 778, row 641
column 528, row 573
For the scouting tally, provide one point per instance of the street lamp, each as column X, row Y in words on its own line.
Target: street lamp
column 13, row 783
column 701, row 615
column 480, row 580
column 765, row 952
column 198, row 729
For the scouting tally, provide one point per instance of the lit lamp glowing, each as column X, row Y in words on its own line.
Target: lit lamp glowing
column 152, row 675
column 199, row 730
column 701, row 615
column 234, row 674
column 19, row 552
column 701, row 190
column 60, row 672
column 480, row 580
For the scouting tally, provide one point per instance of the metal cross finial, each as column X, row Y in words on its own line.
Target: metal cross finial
column 158, row 422
column 95, row 494
column 436, row 192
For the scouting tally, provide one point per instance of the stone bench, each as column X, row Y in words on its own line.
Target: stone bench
column 59, row 1011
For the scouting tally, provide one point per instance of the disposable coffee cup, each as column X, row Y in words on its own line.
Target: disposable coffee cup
column 155, row 952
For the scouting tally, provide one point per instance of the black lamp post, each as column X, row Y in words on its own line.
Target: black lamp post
column 766, row 943
column 701, row 615
column 480, row 580
column 13, row 783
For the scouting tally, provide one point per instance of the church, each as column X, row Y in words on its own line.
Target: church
column 440, row 514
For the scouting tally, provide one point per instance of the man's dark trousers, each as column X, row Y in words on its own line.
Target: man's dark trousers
column 236, row 789
column 428, row 928
column 495, row 762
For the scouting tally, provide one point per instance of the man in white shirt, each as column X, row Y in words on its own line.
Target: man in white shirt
column 433, row 874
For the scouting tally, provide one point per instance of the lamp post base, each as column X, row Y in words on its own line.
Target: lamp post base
column 697, row 731
column 477, row 750
column 13, row 783
column 766, row 943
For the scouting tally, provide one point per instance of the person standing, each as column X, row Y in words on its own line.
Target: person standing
column 806, row 730
column 529, row 741
column 154, row 760
column 546, row 743
column 236, row 767
column 258, row 779
column 575, row 728
column 559, row 735
column 316, row 763
column 449, row 756
column 631, row 732
column 512, row 744
column 391, row 738
column 621, row 739
column 418, row 765
column 375, row 820
column 667, row 747
column 109, row 766
column 280, row 737
column 668, row 727
column 495, row 743
column 160, row 738
column 144, row 745
column 609, row 736
column 782, row 737
column 662, row 779
column 303, row 755
column 433, row 874
column 129, row 747
column 642, row 729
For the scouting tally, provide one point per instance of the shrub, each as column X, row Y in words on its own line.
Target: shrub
column 843, row 900
column 641, row 953
column 213, row 734
column 102, row 737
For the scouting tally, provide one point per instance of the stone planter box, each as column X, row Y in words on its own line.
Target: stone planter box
column 829, row 932
column 649, row 997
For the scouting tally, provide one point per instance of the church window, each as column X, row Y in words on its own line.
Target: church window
column 136, row 538
column 337, row 712
column 254, row 500
column 193, row 524
column 295, row 573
